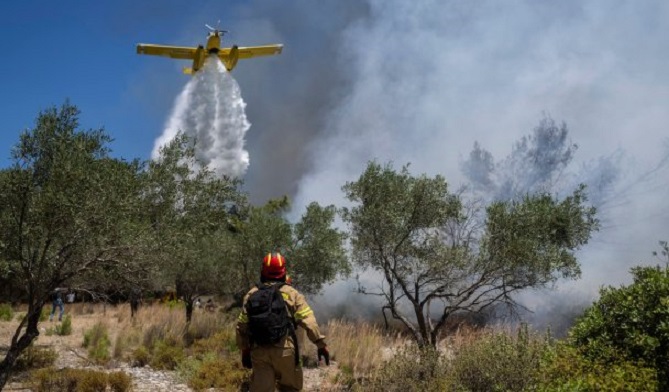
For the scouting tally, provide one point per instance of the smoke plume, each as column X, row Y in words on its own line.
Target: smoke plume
column 210, row 110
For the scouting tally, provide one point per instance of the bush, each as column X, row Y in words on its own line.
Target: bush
column 166, row 356
column 566, row 369
column 141, row 357
column 629, row 323
column 35, row 358
column 497, row 361
column 412, row 369
column 223, row 373
column 119, row 382
column 97, row 341
column 64, row 328
column 79, row 380
column 6, row 312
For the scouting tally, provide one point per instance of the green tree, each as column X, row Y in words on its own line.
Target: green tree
column 630, row 322
column 436, row 260
column 188, row 206
column 313, row 246
column 66, row 210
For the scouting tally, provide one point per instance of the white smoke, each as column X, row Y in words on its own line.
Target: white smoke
column 210, row 110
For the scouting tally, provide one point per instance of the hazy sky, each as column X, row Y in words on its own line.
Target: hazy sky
column 407, row 81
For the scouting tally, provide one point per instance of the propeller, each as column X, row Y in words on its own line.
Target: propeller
column 216, row 30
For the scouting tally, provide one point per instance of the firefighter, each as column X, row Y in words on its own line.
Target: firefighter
column 276, row 365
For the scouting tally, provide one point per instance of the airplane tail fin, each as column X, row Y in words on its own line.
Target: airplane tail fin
column 188, row 71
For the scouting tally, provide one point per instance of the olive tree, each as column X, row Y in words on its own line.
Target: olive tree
column 435, row 259
column 313, row 247
column 187, row 205
column 66, row 210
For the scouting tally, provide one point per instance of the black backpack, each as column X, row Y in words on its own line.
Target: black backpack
column 269, row 320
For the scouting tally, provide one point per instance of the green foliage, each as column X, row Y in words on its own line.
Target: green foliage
column 119, row 381
column 44, row 314
column 630, row 322
column 6, row 312
column 212, row 371
column 429, row 246
column 141, row 356
column 166, row 356
column 411, row 369
column 64, row 328
column 79, row 380
column 97, row 341
column 498, row 362
column 565, row 368
column 35, row 358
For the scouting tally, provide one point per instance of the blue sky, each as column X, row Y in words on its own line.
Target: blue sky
column 84, row 51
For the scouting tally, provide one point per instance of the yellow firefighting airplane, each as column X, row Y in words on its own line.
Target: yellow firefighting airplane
column 229, row 56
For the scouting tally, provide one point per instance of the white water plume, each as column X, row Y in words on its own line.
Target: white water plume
column 210, row 110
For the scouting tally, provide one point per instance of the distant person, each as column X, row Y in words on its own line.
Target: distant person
column 70, row 297
column 135, row 299
column 57, row 302
column 210, row 306
column 266, row 330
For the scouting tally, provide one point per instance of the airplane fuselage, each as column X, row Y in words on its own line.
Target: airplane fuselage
column 213, row 43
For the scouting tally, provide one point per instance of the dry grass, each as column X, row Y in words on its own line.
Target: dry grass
column 359, row 348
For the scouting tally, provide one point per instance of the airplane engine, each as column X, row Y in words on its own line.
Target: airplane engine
column 231, row 59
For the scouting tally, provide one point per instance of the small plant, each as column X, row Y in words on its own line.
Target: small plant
column 79, row 380
column 64, row 328
column 166, row 356
column 44, row 314
column 97, row 341
column 35, row 358
column 222, row 373
column 412, row 369
column 498, row 361
column 141, row 357
column 6, row 312
column 119, row 381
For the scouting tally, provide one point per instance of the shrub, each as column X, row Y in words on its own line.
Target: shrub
column 166, row 356
column 97, row 341
column 629, row 323
column 412, row 369
column 44, row 313
column 223, row 373
column 566, row 369
column 78, row 380
column 119, row 381
column 6, row 312
column 35, row 358
column 141, row 357
column 498, row 361
column 64, row 328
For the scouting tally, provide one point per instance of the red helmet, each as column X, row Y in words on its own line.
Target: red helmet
column 273, row 266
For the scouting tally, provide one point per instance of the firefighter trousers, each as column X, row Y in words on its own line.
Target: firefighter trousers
column 274, row 367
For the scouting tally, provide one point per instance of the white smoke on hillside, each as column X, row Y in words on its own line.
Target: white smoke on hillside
column 211, row 111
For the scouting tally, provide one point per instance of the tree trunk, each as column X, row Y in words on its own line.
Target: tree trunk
column 189, row 309
column 18, row 345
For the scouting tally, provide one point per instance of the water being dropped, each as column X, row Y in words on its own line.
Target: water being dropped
column 211, row 111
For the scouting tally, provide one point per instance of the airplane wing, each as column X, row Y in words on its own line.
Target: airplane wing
column 175, row 52
column 252, row 51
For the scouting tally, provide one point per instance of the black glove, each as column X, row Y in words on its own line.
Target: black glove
column 246, row 358
column 324, row 353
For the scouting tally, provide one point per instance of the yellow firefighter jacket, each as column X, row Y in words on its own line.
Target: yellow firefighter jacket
column 297, row 308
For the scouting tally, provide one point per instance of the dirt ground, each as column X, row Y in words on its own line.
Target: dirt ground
column 71, row 354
